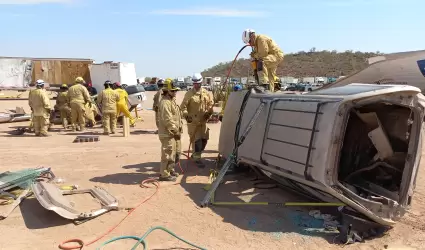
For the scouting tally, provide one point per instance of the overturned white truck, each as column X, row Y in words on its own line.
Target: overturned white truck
column 358, row 144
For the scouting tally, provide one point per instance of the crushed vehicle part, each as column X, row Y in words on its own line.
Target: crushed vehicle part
column 22, row 178
column 314, row 142
column 404, row 68
column 7, row 208
column 51, row 197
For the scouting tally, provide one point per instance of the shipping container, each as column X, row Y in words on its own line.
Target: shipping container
column 20, row 72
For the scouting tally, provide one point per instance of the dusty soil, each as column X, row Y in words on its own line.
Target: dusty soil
column 119, row 164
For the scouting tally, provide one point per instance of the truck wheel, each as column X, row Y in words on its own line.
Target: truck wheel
column 310, row 90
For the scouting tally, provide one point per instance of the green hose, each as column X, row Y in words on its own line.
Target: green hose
column 141, row 240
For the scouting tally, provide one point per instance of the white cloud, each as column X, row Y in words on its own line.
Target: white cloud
column 210, row 12
column 21, row 2
column 349, row 3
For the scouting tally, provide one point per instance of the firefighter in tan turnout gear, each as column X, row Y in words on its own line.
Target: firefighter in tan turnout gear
column 63, row 106
column 78, row 98
column 169, row 132
column 39, row 102
column 157, row 99
column 108, row 100
column 267, row 55
column 197, row 108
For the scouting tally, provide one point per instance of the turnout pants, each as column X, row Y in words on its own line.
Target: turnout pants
column 199, row 135
column 268, row 74
column 78, row 115
column 41, row 124
column 109, row 122
column 170, row 155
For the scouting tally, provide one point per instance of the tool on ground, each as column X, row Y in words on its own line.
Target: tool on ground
column 231, row 158
column 142, row 240
column 86, row 138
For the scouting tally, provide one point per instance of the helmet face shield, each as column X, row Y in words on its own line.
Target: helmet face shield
column 246, row 35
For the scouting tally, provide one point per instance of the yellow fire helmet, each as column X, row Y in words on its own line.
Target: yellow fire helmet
column 64, row 86
column 169, row 85
column 79, row 80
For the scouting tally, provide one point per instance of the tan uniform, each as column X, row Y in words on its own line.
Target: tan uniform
column 197, row 107
column 39, row 102
column 122, row 106
column 91, row 112
column 156, row 100
column 169, row 131
column 108, row 99
column 78, row 97
column 64, row 109
column 269, row 52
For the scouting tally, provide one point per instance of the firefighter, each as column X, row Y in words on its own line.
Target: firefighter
column 157, row 98
column 108, row 100
column 78, row 98
column 122, row 106
column 267, row 56
column 63, row 106
column 39, row 102
column 197, row 108
column 170, row 128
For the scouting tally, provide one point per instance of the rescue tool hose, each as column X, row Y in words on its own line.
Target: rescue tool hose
column 228, row 75
column 142, row 240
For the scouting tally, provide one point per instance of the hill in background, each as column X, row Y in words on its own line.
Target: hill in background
column 303, row 64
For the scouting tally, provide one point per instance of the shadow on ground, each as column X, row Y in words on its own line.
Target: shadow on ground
column 274, row 219
column 144, row 132
column 37, row 217
column 149, row 170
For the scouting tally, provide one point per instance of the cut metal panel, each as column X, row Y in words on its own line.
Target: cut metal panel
column 54, row 199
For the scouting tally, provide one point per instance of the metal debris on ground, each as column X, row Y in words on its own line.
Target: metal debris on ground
column 86, row 138
column 53, row 198
column 15, row 187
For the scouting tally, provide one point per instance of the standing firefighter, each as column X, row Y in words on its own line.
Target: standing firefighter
column 40, row 107
column 170, row 128
column 122, row 106
column 78, row 98
column 197, row 107
column 108, row 100
column 63, row 106
column 267, row 56
column 157, row 99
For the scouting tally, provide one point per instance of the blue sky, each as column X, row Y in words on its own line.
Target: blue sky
column 170, row 38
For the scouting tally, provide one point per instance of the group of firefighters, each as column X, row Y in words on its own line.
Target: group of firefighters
column 196, row 107
column 75, row 104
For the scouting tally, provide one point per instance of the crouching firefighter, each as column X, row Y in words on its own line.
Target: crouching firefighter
column 197, row 108
column 170, row 128
column 265, row 57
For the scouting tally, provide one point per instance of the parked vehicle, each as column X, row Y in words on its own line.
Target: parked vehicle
column 151, row 87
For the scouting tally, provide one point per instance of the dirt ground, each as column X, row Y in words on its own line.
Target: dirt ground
column 119, row 164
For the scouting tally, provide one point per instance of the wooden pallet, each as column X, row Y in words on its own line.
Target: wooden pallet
column 86, row 138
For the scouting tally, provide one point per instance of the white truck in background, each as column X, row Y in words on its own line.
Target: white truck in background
column 125, row 73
